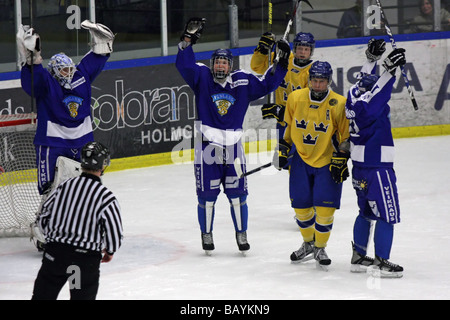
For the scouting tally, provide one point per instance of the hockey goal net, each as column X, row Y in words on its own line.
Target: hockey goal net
column 19, row 196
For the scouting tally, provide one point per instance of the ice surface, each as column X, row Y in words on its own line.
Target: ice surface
column 161, row 256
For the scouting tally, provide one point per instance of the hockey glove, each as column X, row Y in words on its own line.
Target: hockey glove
column 281, row 156
column 338, row 166
column 283, row 52
column 266, row 43
column 193, row 29
column 375, row 49
column 273, row 111
column 102, row 37
column 395, row 59
column 28, row 45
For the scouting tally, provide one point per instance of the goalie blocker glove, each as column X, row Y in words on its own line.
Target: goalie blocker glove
column 375, row 49
column 273, row 111
column 266, row 43
column 338, row 166
column 193, row 29
column 281, row 157
column 395, row 59
column 102, row 37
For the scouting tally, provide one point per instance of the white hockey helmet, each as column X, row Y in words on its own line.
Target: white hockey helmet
column 62, row 68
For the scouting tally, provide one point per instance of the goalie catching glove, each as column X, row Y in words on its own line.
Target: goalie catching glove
column 28, row 45
column 273, row 111
column 102, row 37
column 338, row 166
column 193, row 29
column 282, row 155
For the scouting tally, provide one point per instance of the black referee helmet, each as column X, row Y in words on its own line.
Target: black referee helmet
column 94, row 156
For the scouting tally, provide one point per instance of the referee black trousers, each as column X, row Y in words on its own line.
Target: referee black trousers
column 63, row 263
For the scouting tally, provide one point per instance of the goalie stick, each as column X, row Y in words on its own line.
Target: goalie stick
column 394, row 46
column 286, row 33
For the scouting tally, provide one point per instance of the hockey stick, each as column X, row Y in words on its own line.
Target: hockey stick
column 240, row 174
column 394, row 46
column 30, row 3
column 286, row 33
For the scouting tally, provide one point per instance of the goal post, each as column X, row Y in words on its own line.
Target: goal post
column 19, row 196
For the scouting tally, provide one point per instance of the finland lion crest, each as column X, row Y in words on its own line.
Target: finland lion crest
column 223, row 102
column 72, row 104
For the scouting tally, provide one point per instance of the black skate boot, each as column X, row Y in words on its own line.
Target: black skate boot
column 304, row 253
column 359, row 262
column 385, row 269
column 241, row 239
column 207, row 242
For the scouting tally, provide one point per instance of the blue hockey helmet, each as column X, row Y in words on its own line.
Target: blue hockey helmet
column 305, row 39
column 62, row 68
column 367, row 82
column 322, row 70
column 224, row 54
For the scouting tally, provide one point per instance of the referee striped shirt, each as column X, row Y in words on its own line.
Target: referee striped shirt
column 82, row 212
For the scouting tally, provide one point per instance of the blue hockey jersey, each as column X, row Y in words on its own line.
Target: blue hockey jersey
column 64, row 115
column 222, row 108
column 371, row 142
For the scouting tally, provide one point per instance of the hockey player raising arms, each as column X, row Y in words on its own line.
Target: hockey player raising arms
column 296, row 78
column 222, row 98
column 372, row 154
column 63, row 97
column 315, row 137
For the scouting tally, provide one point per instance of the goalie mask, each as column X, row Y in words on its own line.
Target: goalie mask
column 62, row 68
column 303, row 39
column 221, row 63
column 95, row 156
column 320, row 70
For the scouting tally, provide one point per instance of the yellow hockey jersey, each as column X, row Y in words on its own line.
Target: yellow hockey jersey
column 316, row 128
column 296, row 77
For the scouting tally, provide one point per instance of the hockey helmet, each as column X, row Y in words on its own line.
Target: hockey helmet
column 62, row 68
column 320, row 70
column 224, row 54
column 367, row 82
column 304, row 39
column 95, row 156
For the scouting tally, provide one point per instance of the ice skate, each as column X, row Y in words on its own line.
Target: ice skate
column 382, row 268
column 207, row 243
column 359, row 262
column 322, row 260
column 304, row 253
column 241, row 239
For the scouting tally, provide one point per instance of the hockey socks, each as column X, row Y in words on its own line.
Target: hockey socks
column 205, row 211
column 239, row 212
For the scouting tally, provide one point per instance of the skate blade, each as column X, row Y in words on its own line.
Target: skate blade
column 208, row 252
column 307, row 258
column 377, row 273
column 322, row 267
column 357, row 268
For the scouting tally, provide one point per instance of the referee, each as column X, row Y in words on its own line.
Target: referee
column 82, row 226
